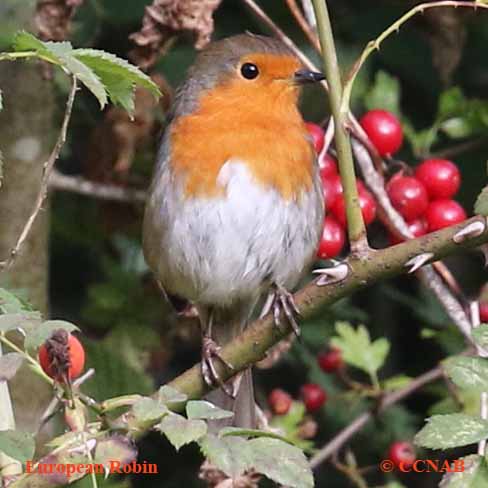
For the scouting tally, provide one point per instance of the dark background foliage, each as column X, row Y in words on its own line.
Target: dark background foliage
column 98, row 278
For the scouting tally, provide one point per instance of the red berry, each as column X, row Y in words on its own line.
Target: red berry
column 384, row 131
column 317, row 134
column 330, row 361
column 279, row 401
column 313, row 396
column 440, row 177
column 484, row 312
column 408, row 195
column 332, row 189
column 418, row 228
column 76, row 359
column 333, row 238
column 328, row 166
column 366, row 202
column 402, row 454
column 443, row 213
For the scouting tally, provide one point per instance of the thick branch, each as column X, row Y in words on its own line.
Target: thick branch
column 252, row 344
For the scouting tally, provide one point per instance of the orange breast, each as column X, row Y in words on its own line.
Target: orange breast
column 257, row 124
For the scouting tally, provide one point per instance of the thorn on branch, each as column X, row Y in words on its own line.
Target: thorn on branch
column 418, row 261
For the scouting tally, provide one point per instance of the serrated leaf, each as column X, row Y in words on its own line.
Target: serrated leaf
column 168, row 394
column 25, row 320
column 473, row 473
column 384, row 94
column 147, row 409
column 357, row 348
column 16, row 444
column 200, row 409
column 39, row 335
column 9, row 365
column 229, row 454
column 481, row 205
column 62, row 53
column 181, row 431
column 453, row 430
column 480, row 335
column 104, row 63
column 468, row 372
column 119, row 76
column 281, row 462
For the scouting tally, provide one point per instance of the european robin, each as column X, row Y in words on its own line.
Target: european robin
column 235, row 208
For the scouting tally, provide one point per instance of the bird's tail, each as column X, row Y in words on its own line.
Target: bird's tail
column 226, row 325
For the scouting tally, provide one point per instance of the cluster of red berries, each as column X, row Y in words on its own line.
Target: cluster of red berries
column 312, row 395
column 333, row 234
column 424, row 198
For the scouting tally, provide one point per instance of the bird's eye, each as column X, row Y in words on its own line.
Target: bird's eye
column 249, row 71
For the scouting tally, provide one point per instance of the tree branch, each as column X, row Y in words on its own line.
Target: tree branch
column 82, row 186
column 261, row 335
column 48, row 166
column 359, row 422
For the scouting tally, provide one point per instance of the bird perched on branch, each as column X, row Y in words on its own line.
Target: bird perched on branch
column 235, row 209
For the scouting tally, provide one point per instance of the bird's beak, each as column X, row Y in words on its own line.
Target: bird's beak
column 303, row 76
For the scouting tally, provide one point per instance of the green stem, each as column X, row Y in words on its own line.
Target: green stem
column 376, row 43
column 355, row 223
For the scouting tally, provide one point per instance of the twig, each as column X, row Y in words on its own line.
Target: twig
column 48, row 166
column 359, row 422
column 463, row 147
column 376, row 43
column 304, row 25
column 355, row 223
column 82, row 186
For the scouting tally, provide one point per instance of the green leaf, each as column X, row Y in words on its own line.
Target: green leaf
column 17, row 445
column 480, row 335
column 468, row 372
column 9, row 303
column 481, row 205
column 472, row 473
column 453, row 430
column 451, row 102
column 62, row 54
column 457, row 127
column 384, row 94
column 229, row 454
column 119, row 76
column 147, row 409
column 24, row 320
column 181, row 431
column 9, row 365
column 229, row 431
column 168, row 394
column 39, row 335
column 281, row 462
column 200, row 409
column 357, row 348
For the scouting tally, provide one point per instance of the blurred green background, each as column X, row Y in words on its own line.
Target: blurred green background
column 99, row 281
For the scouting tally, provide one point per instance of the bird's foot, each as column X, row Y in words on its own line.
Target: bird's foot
column 335, row 274
column 210, row 352
column 281, row 300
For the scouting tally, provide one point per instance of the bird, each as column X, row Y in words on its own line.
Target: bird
column 235, row 208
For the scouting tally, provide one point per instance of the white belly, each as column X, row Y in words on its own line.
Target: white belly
column 216, row 251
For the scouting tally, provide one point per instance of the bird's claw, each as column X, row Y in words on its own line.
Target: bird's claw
column 211, row 351
column 281, row 300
